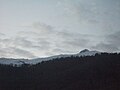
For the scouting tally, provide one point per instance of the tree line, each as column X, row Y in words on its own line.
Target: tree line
column 99, row 72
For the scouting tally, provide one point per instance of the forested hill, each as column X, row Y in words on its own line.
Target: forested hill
column 99, row 72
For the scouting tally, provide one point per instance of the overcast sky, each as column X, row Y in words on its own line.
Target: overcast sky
column 40, row 28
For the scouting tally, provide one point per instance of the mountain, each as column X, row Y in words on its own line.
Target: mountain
column 99, row 72
column 86, row 52
column 18, row 62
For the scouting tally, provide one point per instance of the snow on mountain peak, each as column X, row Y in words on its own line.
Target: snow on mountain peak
column 85, row 50
column 18, row 62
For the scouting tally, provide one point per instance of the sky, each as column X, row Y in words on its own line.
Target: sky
column 40, row 28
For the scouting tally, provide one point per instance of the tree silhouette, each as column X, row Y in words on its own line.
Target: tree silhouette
column 99, row 72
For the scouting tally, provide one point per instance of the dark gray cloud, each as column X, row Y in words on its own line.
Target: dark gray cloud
column 111, row 43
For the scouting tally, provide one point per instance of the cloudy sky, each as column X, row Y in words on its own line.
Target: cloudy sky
column 40, row 28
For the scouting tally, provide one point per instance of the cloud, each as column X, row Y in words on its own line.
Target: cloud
column 18, row 47
column 110, row 44
column 74, row 39
column 26, row 33
column 114, row 39
column 44, row 41
column 76, row 42
column 70, row 42
column 42, row 27
column 81, row 10
column 106, row 47
column 50, row 40
column 23, row 42
column 97, row 16
column 64, row 40
column 3, row 53
column 1, row 34
column 13, row 52
column 22, row 53
column 20, row 42
column 15, row 48
column 5, row 42
column 38, row 28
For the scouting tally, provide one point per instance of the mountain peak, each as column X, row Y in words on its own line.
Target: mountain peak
column 85, row 50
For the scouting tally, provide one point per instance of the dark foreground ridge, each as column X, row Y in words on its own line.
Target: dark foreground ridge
column 99, row 72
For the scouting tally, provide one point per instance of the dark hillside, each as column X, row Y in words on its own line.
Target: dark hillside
column 99, row 72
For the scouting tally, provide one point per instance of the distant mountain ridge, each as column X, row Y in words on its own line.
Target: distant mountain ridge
column 99, row 72
column 8, row 61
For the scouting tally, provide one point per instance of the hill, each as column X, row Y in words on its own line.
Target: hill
column 19, row 62
column 99, row 72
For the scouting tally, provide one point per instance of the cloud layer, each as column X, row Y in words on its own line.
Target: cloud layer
column 110, row 44
column 36, row 28
column 45, row 40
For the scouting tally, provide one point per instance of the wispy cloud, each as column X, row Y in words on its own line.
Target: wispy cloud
column 13, row 52
column 1, row 34
column 17, row 47
column 59, row 26
column 110, row 44
column 50, row 40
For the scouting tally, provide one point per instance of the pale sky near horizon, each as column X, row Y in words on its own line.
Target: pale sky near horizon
column 39, row 28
